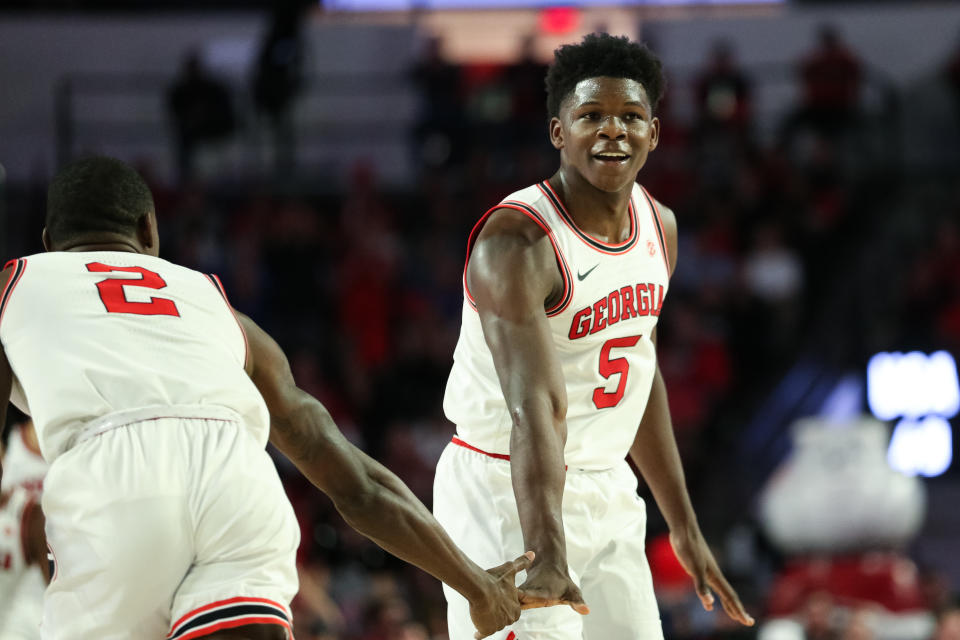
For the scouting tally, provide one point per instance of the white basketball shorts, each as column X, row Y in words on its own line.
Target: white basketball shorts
column 604, row 522
column 167, row 528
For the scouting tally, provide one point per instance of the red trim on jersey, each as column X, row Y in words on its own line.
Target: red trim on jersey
column 512, row 636
column 460, row 443
column 20, row 265
column 566, row 295
column 661, row 234
column 609, row 248
column 499, row 456
column 239, row 622
column 29, row 445
column 212, row 277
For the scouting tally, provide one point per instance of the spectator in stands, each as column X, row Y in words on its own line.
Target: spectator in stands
column 278, row 77
column 723, row 91
column 441, row 126
column 201, row 110
column 524, row 79
column 831, row 78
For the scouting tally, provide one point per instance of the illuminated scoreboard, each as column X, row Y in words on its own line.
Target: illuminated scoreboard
column 924, row 393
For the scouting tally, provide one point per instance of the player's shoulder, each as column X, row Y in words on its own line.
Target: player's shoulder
column 517, row 219
column 665, row 213
column 12, row 270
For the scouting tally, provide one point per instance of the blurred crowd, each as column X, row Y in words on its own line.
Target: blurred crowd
column 780, row 242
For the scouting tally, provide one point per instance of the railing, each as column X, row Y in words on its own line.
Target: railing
column 335, row 120
column 338, row 119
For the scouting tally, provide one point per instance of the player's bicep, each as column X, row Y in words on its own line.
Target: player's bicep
column 268, row 368
column 511, row 279
column 300, row 426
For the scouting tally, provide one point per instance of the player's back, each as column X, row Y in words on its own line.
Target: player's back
column 90, row 334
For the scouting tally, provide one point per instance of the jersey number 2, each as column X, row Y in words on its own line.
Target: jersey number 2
column 602, row 398
column 115, row 301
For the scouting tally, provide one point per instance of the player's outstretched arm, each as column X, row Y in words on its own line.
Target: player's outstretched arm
column 655, row 453
column 512, row 272
column 368, row 495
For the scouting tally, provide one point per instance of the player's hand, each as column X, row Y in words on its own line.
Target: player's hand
column 698, row 561
column 548, row 585
column 500, row 605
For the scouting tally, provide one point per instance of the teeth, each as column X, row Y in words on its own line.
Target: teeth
column 611, row 156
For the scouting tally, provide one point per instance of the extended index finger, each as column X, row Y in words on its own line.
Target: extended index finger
column 728, row 597
column 520, row 564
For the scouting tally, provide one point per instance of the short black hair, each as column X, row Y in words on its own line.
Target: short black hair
column 601, row 54
column 96, row 195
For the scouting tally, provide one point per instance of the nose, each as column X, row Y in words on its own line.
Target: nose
column 612, row 128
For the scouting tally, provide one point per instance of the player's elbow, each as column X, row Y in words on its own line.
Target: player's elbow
column 539, row 408
column 357, row 504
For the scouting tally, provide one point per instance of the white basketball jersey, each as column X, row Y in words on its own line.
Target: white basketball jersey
column 601, row 328
column 89, row 334
column 23, row 465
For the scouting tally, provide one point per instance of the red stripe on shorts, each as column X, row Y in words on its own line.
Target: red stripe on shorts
column 220, row 603
column 230, row 624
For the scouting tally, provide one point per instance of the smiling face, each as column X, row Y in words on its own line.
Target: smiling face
column 604, row 132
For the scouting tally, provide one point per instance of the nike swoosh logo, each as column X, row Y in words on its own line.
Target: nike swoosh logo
column 581, row 276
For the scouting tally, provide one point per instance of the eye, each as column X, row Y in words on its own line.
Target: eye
column 591, row 115
column 633, row 116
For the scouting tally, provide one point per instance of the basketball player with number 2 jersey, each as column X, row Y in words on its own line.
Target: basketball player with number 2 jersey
column 139, row 340
column 153, row 401
column 555, row 378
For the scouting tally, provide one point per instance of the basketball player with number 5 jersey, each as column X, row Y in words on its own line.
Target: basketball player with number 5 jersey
column 153, row 401
column 555, row 377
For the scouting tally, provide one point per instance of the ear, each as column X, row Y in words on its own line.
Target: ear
column 556, row 133
column 146, row 230
column 654, row 133
column 45, row 238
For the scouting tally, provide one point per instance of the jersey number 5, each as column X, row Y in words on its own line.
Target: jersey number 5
column 602, row 398
column 115, row 301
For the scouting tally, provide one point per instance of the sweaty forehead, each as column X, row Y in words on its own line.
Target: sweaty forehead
column 604, row 89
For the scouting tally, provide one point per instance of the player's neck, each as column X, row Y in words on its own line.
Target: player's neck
column 603, row 215
column 111, row 245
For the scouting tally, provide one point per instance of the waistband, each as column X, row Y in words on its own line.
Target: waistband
column 499, row 456
column 159, row 412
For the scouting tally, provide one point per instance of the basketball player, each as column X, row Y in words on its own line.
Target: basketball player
column 153, row 402
column 555, row 379
column 23, row 549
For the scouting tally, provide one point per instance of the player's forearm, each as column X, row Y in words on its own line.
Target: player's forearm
column 538, row 473
column 371, row 498
column 394, row 518
column 655, row 453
